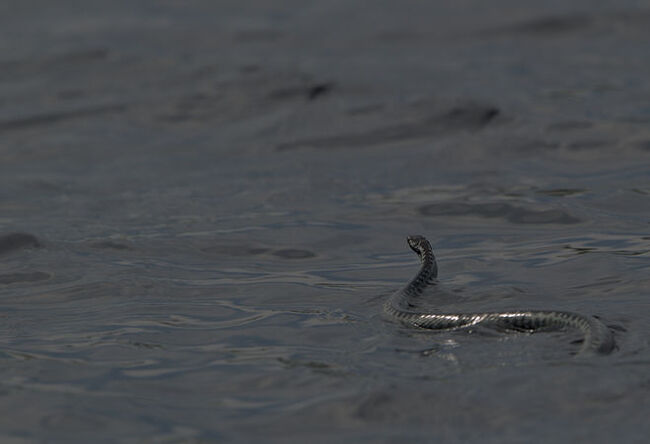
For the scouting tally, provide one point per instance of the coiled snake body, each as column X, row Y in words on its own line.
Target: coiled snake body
column 597, row 337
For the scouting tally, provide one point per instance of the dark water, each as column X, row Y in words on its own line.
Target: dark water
column 212, row 199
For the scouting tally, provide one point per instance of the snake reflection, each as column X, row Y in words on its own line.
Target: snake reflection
column 597, row 337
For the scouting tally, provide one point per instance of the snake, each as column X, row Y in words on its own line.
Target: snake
column 401, row 305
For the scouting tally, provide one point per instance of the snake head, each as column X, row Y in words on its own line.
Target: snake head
column 418, row 243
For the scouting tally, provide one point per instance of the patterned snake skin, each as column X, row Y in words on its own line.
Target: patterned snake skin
column 597, row 337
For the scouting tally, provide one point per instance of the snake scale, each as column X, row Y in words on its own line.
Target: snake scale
column 597, row 337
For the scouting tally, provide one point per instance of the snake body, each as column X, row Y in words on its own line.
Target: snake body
column 597, row 337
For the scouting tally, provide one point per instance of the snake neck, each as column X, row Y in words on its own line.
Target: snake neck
column 426, row 275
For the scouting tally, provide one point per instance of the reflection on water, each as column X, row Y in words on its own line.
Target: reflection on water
column 511, row 213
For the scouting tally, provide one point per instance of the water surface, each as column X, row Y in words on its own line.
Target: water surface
column 204, row 205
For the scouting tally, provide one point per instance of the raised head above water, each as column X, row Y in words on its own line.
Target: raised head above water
column 422, row 248
column 419, row 244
